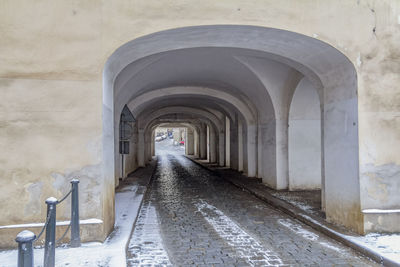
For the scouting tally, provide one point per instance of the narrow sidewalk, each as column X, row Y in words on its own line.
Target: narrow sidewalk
column 384, row 249
column 112, row 252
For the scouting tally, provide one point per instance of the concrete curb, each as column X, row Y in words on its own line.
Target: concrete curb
column 140, row 205
column 313, row 221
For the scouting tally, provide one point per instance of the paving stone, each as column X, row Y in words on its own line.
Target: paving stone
column 190, row 216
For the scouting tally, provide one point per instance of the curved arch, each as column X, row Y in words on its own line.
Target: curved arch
column 323, row 65
column 141, row 100
column 218, row 108
column 250, row 128
column 181, row 118
column 143, row 123
column 174, row 125
column 314, row 58
column 189, row 138
column 197, row 123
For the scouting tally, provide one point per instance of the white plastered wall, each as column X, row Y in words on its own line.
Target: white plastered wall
column 305, row 138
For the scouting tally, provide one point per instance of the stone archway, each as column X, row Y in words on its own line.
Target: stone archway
column 229, row 64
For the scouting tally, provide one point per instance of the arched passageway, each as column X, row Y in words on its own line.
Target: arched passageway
column 236, row 86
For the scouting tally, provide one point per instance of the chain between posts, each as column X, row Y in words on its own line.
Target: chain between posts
column 44, row 227
column 25, row 239
column 47, row 221
column 59, row 201
column 65, row 233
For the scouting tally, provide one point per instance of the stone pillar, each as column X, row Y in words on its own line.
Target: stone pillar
column 341, row 155
column 245, row 162
column 261, row 160
column 213, row 146
column 282, row 157
column 240, row 146
column 267, row 154
column 272, row 152
column 189, row 141
column 208, row 143
column 221, row 149
column 323, row 200
column 181, row 134
column 153, row 145
column 203, row 142
column 196, row 144
column 227, row 142
column 234, row 145
column 141, row 145
column 147, row 147
column 252, row 150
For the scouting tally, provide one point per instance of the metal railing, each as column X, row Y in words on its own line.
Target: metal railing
column 25, row 239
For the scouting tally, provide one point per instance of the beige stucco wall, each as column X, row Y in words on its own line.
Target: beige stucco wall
column 51, row 58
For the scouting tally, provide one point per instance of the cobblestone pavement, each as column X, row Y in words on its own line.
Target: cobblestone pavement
column 307, row 200
column 192, row 217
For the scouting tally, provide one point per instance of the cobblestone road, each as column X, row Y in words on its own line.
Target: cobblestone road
column 191, row 217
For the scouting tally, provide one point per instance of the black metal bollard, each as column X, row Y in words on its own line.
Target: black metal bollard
column 25, row 248
column 50, row 241
column 75, row 231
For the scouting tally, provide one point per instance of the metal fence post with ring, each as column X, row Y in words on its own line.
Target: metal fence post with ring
column 25, row 248
column 50, row 240
column 75, row 231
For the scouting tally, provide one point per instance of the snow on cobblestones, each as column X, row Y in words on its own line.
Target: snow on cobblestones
column 146, row 246
column 298, row 229
column 325, row 244
column 246, row 246
column 386, row 244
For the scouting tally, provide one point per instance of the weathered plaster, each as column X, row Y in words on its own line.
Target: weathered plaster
column 380, row 186
column 47, row 127
column 90, row 188
column 52, row 55
column 34, row 205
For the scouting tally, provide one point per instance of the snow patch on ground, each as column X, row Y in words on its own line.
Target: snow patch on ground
column 95, row 254
column 294, row 202
column 237, row 238
column 331, row 247
column 146, row 245
column 298, row 229
column 301, row 205
column 385, row 244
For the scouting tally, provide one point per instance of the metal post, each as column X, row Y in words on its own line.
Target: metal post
column 50, row 241
column 75, row 231
column 25, row 248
